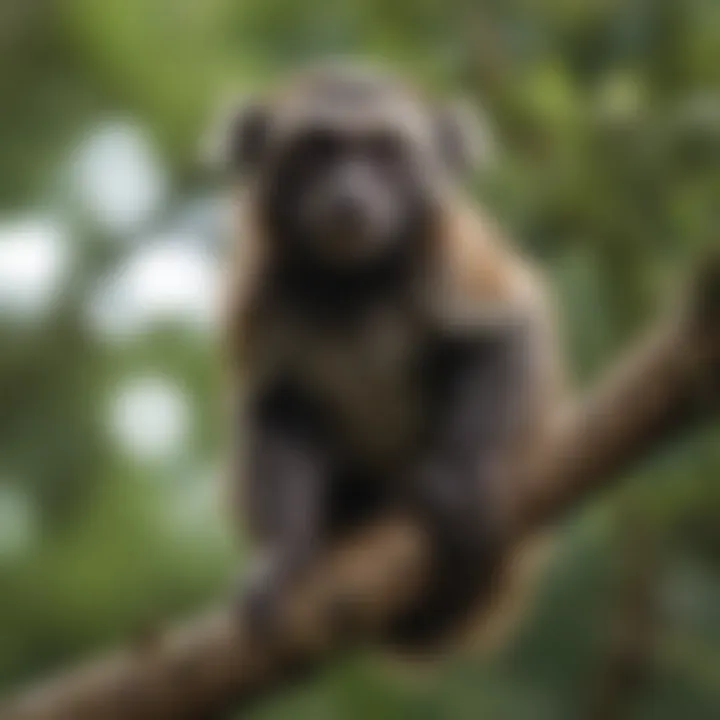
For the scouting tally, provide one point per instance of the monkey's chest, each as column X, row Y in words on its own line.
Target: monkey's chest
column 366, row 377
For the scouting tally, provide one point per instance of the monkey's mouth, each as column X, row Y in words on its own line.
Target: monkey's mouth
column 350, row 242
column 351, row 232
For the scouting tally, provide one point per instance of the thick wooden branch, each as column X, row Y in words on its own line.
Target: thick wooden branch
column 199, row 670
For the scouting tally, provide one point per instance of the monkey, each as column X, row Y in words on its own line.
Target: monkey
column 390, row 348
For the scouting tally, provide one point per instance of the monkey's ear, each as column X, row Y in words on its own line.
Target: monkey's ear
column 239, row 139
column 464, row 137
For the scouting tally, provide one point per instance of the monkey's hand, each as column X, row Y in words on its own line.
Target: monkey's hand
column 467, row 544
column 458, row 512
column 259, row 595
column 263, row 589
column 259, row 600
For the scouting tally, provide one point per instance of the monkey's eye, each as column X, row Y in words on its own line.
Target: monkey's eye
column 384, row 148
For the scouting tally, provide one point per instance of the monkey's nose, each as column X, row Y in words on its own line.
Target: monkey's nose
column 347, row 211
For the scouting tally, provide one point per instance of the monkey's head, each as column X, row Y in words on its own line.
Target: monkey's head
column 349, row 164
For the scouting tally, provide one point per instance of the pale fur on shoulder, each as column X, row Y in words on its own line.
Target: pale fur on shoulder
column 480, row 279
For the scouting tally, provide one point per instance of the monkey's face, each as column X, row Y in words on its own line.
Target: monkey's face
column 346, row 195
column 348, row 165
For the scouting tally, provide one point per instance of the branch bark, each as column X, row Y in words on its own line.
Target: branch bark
column 668, row 384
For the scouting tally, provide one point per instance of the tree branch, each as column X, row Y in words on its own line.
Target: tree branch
column 665, row 386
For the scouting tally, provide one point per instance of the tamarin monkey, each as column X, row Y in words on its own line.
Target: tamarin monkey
column 392, row 349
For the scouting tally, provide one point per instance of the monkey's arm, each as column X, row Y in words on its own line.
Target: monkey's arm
column 455, row 486
column 286, row 471
column 500, row 366
column 482, row 404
